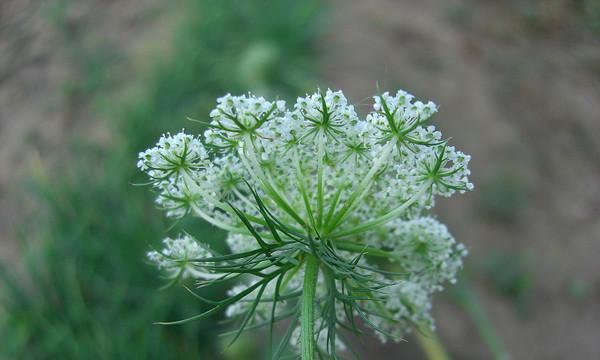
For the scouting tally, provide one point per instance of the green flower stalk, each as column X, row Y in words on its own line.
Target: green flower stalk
column 319, row 204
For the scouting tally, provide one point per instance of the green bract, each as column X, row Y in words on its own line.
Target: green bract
column 319, row 205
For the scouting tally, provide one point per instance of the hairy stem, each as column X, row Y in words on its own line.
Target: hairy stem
column 307, row 319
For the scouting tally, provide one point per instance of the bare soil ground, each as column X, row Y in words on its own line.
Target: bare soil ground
column 53, row 57
column 520, row 92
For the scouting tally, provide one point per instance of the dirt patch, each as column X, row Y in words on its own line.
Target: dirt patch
column 54, row 57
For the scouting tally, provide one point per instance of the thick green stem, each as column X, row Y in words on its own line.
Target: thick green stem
column 307, row 320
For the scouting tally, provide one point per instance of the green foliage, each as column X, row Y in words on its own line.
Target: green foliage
column 84, row 290
column 83, row 295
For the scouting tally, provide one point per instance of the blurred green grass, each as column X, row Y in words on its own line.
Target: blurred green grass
column 82, row 289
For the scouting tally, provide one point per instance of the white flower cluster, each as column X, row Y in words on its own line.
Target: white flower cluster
column 175, row 258
column 423, row 246
column 430, row 257
column 363, row 185
column 172, row 165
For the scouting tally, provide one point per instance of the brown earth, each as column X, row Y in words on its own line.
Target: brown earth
column 49, row 51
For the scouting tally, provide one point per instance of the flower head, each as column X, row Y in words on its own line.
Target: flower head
column 316, row 197
column 178, row 255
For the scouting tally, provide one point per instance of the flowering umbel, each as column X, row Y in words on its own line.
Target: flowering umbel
column 326, row 214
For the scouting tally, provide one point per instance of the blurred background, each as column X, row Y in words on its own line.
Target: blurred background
column 85, row 85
